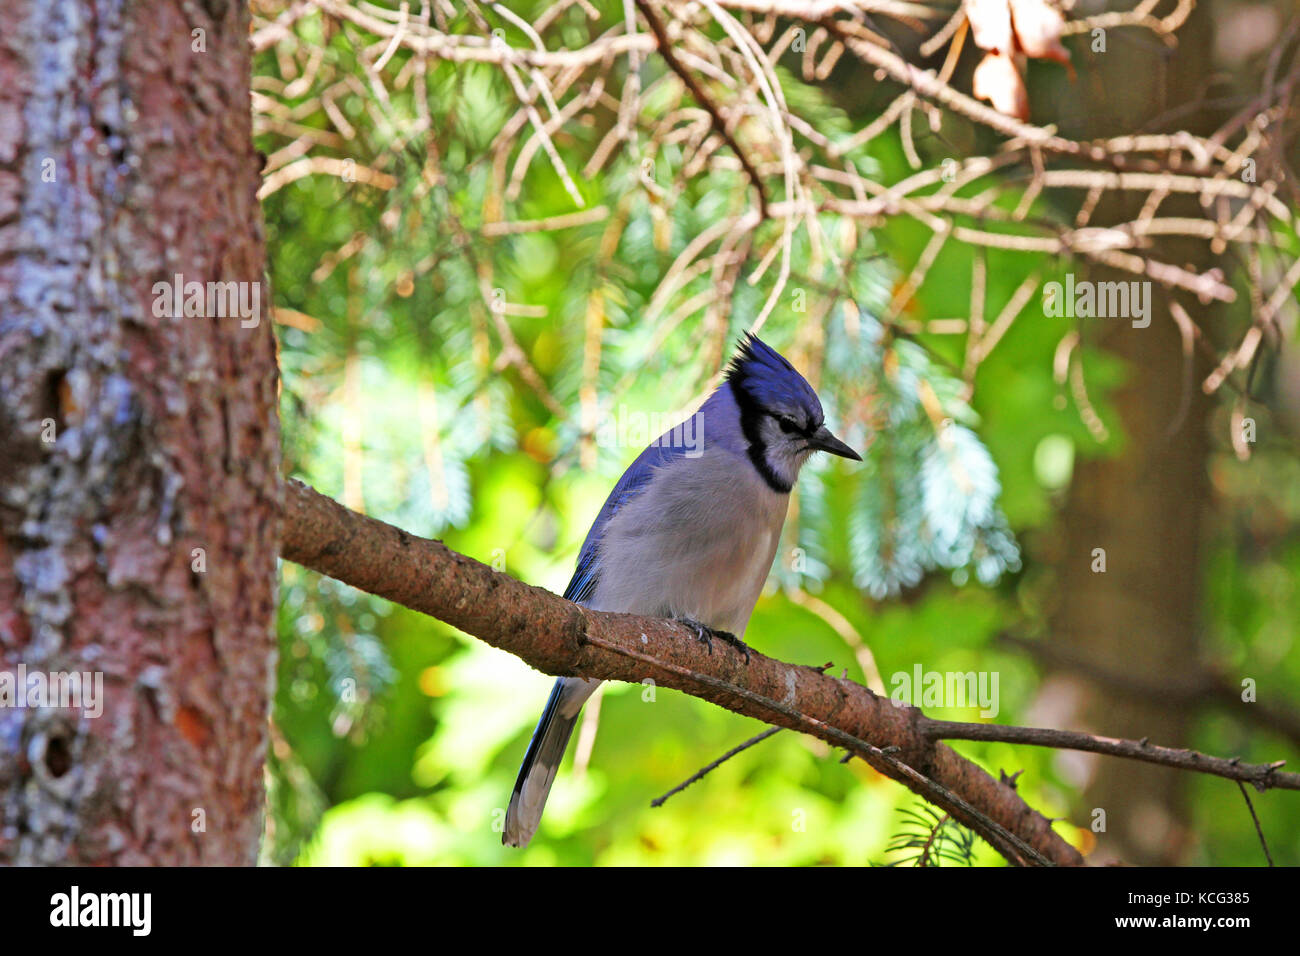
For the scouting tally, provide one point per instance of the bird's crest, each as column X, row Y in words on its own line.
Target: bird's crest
column 756, row 358
column 765, row 377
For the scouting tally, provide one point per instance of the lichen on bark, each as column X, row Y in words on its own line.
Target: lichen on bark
column 131, row 443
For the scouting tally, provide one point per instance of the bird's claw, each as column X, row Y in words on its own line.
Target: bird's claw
column 705, row 635
column 729, row 638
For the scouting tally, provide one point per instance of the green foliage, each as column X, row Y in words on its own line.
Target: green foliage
column 930, row 838
column 927, row 496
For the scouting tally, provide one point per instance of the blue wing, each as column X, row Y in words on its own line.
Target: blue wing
column 634, row 481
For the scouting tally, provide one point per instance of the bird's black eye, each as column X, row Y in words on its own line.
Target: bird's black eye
column 788, row 425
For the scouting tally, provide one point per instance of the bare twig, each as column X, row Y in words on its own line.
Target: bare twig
column 713, row 765
column 665, row 46
column 722, row 54
column 1262, row 776
column 1258, row 829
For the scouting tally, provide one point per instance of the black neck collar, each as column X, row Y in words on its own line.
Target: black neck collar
column 750, row 417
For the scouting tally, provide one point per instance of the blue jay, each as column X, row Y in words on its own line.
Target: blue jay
column 689, row 532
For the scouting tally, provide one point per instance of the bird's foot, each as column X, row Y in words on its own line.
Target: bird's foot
column 728, row 638
column 705, row 635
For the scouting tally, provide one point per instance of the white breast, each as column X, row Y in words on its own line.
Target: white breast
column 698, row 542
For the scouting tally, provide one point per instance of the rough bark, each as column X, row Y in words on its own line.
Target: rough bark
column 138, row 453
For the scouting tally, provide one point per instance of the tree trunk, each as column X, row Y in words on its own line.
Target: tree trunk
column 1144, row 508
column 139, row 449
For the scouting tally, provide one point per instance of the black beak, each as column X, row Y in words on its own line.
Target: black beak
column 823, row 440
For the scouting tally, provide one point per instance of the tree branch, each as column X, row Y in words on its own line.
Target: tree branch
column 1206, row 688
column 1263, row 775
column 562, row 638
column 559, row 637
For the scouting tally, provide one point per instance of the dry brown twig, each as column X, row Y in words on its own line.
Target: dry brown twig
column 723, row 52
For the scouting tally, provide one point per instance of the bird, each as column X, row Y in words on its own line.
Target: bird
column 689, row 533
